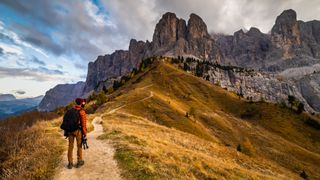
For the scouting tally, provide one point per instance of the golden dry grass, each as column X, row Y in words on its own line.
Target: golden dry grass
column 155, row 139
column 30, row 147
column 148, row 150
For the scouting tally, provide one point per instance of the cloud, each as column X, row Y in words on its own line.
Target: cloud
column 37, row 74
column 49, row 71
column 59, row 66
column 70, row 27
column 1, row 51
column 19, row 92
column 83, row 76
column 37, row 61
column 80, row 65
column 28, row 62
column 39, row 39
column 93, row 28
column 10, row 37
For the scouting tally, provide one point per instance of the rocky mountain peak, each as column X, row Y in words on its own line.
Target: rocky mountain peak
column 290, row 39
column 287, row 16
column 254, row 31
column 196, row 27
column 166, row 30
column 136, row 51
column 286, row 33
column 286, row 23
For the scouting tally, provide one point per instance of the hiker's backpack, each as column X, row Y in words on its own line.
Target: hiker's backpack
column 71, row 120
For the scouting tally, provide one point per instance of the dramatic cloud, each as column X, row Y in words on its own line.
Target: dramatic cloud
column 11, row 49
column 89, row 29
column 11, row 38
column 19, row 92
column 227, row 16
column 39, row 39
column 1, row 51
column 70, row 27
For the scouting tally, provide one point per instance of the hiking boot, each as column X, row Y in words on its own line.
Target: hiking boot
column 70, row 165
column 80, row 163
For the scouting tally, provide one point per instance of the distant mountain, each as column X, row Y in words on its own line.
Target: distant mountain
column 7, row 97
column 18, row 106
column 61, row 95
column 286, row 61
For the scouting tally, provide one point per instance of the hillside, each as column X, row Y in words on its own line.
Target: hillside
column 224, row 136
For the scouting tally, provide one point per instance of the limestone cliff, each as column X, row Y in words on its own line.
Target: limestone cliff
column 290, row 48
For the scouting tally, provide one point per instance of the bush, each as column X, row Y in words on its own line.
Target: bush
column 192, row 111
column 246, row 148
column 250, row 112
column 312, row 123
column 297, row 106
column 101, row 98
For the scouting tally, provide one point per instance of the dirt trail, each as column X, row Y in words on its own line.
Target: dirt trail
column 142, row 88
column 99, row 162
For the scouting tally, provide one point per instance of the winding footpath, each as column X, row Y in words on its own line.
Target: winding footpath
column 99, row 162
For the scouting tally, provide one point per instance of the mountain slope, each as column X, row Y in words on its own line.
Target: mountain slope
column 154, row 138
column 18, row 106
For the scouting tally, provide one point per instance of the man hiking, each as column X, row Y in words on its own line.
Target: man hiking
column 74, row 125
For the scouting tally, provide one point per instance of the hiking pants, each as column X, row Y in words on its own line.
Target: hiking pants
column 78, row 136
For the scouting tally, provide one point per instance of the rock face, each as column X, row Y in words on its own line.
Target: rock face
column 106, row 67
column 61, row 95
column 249, row 49
column 292, row 47
column 286, row 33
column 257, row 86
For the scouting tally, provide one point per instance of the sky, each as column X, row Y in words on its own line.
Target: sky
column 48, row 42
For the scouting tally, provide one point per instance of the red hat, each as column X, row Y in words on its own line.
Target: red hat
column 80, row 101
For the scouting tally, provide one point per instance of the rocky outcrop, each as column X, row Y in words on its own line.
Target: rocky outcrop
column 250, row 49
column 261, row 86
column 309, row 87
column 292, row 44
column 61, row 95
column 167, row 32
column 310, row 37
column 172, row 37
column 107, row 67
column 200, row 43
column 286, row 33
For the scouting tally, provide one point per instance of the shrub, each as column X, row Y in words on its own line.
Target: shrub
column 246, row 148
column 101, row 98
column 192, row 111
column 304, row 175
column 250, row 112
column 312, row 123
column 297, row 106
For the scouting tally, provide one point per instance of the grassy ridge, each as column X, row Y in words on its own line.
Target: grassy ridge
column 146, row 150
column 170, row 97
